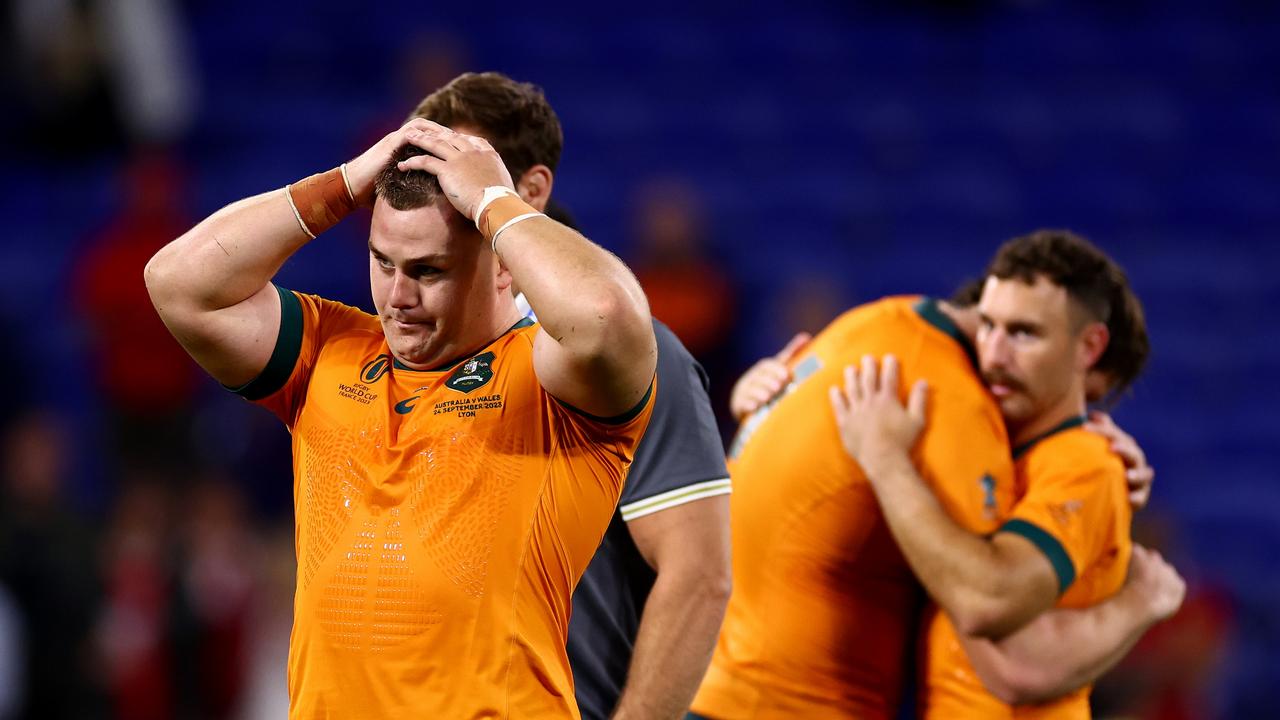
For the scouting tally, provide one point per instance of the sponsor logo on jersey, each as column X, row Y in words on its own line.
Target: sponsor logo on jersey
column 472, row 374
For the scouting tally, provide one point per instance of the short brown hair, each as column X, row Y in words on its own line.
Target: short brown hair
column 1097, row 285
column 514, row 117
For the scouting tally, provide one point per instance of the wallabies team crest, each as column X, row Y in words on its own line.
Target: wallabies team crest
column 474, row 373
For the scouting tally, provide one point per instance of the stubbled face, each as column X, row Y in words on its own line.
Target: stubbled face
column 1029, row 347
column 434, row 282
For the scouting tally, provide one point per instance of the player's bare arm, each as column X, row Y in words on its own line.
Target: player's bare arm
column 764, row 380
column 596, row 349
column 1067, row 649
column 989, row 587
column 684, row 610
column 211, row 286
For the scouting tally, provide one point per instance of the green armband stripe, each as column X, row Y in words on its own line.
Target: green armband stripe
column 1048, row 545
column 285, row 354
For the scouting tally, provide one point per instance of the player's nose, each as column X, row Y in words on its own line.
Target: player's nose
column 404, row 291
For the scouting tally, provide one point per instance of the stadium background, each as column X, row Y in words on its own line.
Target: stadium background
column 762, row 166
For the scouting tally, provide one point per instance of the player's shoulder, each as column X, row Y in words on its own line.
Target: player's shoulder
column 891, row 310
column 335, row 316
column 1074, row 449
column 343, row 332
column 881, row 324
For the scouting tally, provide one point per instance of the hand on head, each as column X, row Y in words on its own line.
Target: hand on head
column 464, row 164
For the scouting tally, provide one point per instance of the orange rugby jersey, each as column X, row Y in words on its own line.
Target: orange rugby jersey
column 1073, row 504
column 443, row 519
column 824, row 606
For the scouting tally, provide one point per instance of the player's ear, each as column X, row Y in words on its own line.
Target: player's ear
column 534, row 186
column 1093, row 342
column 503, row 280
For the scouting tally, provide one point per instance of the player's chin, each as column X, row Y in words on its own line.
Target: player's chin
column 414, row 344
column 1016, row 408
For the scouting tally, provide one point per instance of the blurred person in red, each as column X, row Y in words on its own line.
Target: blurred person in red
column 686, row 287
column 46, row 564
column 146, row 379
column 134, row 629
column 429, row 61
column 218, row 575
column 1172, row 672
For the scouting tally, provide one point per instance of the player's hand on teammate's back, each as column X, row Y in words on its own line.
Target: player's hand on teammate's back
column 764, row 380
column 464, row 164
column 1139, row 474
column 875, row 427
column 1157, row 582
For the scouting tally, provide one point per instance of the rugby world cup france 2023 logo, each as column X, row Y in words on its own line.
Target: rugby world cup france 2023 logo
column 373, row 370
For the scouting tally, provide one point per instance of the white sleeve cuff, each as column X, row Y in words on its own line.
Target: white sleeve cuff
column 672, row 498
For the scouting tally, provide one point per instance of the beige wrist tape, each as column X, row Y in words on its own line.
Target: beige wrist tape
column 501, row 212
column 320, row 201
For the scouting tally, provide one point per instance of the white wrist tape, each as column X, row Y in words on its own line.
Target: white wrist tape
column 509, row 223
column 347, row 181
column 491, row 193
column 288, row 195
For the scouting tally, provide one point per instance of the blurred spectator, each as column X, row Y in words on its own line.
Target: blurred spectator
column 134, row 629
column 62, row 77
column 688, row 289
column 146, row 379
column 266, row 695
column 809, row 303
column 428, row 62
column 124, row 64
column 219, row 571
column 11, row 656
column 152, row 72
column 182, row 576
column 1174, row 670
column 46, row 564
column 17, row 395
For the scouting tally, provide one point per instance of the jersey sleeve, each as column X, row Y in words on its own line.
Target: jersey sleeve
column 618, row 435
column 681, row 458
column 305, row 321
column 964, row 457
column 1073, row 511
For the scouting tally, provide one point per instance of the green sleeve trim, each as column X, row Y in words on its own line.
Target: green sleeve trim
column 1048, row 545
column 622, row 419
column 283, row 357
